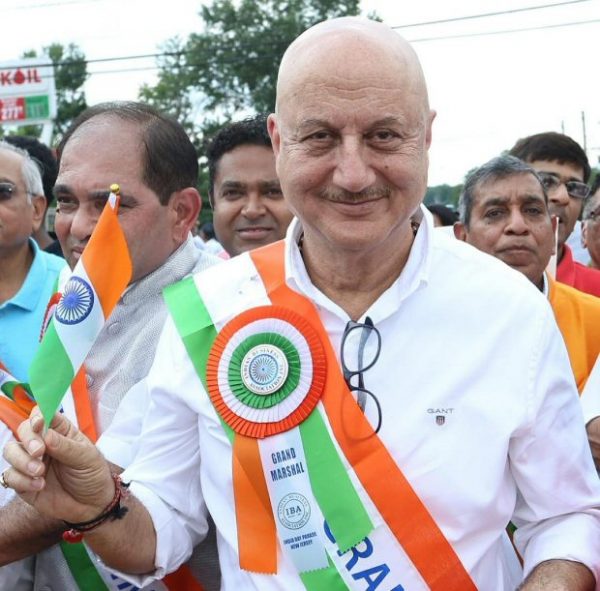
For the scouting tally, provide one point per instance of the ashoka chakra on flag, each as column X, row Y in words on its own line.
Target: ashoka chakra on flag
column 76, row 302
column 266, row 371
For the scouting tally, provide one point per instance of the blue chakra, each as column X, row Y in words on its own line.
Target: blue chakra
column 264, row 369
column 76, row 303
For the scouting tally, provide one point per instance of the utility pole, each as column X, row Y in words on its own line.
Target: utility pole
column 583, row 129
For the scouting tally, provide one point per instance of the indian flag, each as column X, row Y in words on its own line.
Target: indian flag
column 14, row 390
column 89, row 296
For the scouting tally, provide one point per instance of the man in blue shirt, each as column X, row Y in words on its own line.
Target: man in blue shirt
column 27, row 274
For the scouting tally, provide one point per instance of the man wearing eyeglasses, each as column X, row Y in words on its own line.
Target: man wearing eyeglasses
column 268, row 365
column 590, row 231
column 27, row 274
column 565, row 170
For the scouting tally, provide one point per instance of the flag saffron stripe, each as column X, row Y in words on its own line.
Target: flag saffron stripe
column 11, row 415
column 107, row 255
column 83, row 407
column 405, row 514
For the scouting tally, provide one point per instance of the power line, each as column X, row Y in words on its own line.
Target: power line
column 504, row 32
column 74, row 62
column 487, row 14
column 49, row 4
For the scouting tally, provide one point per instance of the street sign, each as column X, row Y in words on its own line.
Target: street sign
column 27, row 92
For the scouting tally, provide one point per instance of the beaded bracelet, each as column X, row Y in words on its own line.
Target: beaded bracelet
column 113, row 511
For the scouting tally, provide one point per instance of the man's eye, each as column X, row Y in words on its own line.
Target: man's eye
column 384, row 135
column 231, row 194
column 274, row 192
column 493, row 214
column 320, row 136
column 6, row 191
column 65, row 205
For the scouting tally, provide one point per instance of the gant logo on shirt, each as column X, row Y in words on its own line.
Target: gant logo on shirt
column 440, row 414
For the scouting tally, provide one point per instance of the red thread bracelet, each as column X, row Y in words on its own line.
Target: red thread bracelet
column 113, row 511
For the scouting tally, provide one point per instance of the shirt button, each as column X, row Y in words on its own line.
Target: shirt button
column 114, row 328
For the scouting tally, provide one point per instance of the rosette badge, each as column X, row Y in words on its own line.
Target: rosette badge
column 266, row 371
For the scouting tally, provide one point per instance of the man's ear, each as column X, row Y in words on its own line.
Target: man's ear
column 185, row 206
column 584, row 234
column 460, row 231
column 38, row 202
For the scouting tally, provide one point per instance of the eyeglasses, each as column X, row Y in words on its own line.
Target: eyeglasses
column 359, row 351
column 7, row 190
column 575, row 189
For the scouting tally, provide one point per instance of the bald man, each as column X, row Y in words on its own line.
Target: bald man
column 292, row 391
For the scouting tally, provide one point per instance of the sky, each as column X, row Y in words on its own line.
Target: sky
column 491, row 80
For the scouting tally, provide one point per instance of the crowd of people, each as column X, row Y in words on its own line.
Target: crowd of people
column 320, row 390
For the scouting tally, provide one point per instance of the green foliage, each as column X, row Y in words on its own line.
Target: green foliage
column 231, row 66
column 446, row 194
column 70, row 73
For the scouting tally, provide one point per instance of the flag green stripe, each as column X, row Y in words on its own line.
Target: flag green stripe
column 331, row 485
column 82, row 568
column 324, row 579
column 195, row 326
column 8, row 388
column 50, row 373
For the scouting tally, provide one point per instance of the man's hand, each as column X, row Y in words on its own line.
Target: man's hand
column 61, row 473
column 559, row 575
column 593, row 433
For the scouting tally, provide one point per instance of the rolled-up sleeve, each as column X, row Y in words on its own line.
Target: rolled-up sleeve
column 165, row 472
column 557, row 511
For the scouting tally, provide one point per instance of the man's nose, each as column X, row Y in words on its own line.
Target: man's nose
column 353, row 172
column 83, row 223
column 517, row 224
column 559, row 195
column 254, row 206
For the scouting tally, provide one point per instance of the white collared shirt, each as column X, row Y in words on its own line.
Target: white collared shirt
column 464, row 338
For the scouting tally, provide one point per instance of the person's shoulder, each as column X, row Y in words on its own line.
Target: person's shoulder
column 584, row 301
column 54, row 264
column 588, row 272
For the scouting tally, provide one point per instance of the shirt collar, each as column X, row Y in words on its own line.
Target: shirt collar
column 29, row 295
column 414, row 274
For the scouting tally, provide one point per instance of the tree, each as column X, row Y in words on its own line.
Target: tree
column 231, row 66
column 70, row 73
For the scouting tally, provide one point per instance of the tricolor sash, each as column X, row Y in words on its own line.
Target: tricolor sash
column 275, row 382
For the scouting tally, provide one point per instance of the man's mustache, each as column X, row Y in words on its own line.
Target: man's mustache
column 341, row 195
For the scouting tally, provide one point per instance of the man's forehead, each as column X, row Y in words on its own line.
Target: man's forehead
column 522, row 187
column 349, row 53
column 10, row 163
column 569, row 170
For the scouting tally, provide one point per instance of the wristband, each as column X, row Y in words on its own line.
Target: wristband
column 113, row 511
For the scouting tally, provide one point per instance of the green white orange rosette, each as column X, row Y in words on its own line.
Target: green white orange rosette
column 266, row 371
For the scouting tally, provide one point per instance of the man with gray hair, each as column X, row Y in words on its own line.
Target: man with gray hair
column 27, row 274
column 503, row 211
column 292, row 395
column 590, row 231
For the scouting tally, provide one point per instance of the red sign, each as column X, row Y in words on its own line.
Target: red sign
column 12, row 109
column 20, row 76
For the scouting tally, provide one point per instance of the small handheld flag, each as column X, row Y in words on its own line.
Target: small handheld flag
column 88, row 298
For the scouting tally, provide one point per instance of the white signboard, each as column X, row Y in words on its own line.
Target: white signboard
column 27, row 92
